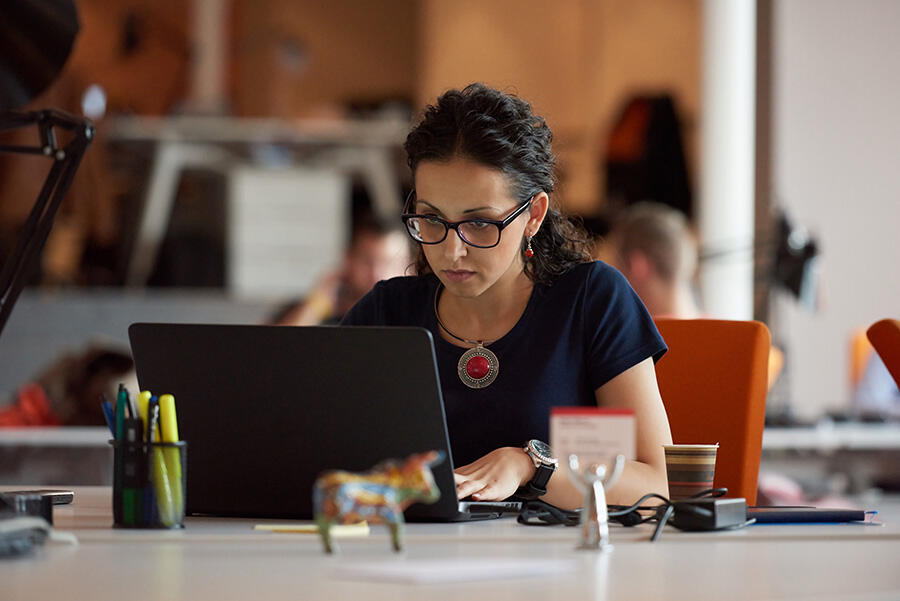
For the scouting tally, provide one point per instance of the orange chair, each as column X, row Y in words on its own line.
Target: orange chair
column 713, row 384
column 885, row 337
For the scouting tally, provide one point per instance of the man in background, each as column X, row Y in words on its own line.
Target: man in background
column 375, row 253
column 653, row 247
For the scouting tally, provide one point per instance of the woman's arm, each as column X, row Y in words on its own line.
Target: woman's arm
column 634, row 389
column 498, row 474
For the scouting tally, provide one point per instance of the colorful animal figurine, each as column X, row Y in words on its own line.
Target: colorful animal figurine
column 377, row 496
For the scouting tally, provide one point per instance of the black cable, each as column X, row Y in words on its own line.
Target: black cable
column 540, row 513
column 670, row 509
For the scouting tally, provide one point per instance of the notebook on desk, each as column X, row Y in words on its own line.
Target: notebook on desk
column 266, row 409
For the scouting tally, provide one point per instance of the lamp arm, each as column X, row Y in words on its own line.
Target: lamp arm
column 66, row 159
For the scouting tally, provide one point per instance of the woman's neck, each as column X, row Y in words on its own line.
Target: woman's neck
column 487, row 317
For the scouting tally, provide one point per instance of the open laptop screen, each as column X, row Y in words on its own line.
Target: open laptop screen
column 265, row 409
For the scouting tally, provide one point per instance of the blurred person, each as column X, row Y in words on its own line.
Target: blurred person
column 375, row 253
column 66, row 392
column 653, row 247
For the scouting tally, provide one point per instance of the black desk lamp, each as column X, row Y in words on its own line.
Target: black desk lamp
column 36, row 37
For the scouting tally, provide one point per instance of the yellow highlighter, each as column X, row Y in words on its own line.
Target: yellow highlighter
column 143, row 401
column 168, row 424
column 160, row 472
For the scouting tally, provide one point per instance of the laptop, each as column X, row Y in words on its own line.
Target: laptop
column 266, row 409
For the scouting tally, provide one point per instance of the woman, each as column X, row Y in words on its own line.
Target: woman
column 522, row 320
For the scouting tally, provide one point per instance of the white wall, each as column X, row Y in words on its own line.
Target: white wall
column 836, row 168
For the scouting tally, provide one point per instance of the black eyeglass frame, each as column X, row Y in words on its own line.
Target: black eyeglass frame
column 454, row 225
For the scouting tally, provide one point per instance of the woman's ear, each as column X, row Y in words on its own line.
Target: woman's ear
column 539, row 206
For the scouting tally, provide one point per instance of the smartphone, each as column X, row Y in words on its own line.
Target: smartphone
column 57, row 497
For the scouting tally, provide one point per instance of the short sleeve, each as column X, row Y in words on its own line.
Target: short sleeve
column 620, row 332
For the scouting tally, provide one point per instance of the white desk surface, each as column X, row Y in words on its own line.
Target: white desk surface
column 828, row 437
column 823, row 437
column 225, row 559
column 55, row 436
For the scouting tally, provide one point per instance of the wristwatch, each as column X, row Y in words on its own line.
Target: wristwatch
column 545, row 464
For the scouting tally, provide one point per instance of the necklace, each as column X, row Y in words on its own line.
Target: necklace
column 477, row 367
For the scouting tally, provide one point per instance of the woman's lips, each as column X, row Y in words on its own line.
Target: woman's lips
column 458, row 275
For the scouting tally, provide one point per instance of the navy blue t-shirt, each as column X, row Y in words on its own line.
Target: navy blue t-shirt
column 574, row 336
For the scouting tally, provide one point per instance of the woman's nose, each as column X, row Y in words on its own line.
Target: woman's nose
column 453, row 245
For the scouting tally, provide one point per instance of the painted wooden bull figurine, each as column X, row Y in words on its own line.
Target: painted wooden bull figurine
column 377, row 496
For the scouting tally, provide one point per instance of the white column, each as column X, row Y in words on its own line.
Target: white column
column 726, row 206
column 209, row 59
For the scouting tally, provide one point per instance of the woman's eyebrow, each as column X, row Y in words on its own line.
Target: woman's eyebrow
column 429, row 205
column 467, row 211
column 479, row 209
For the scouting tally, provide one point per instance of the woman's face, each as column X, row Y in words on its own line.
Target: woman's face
column 463, row 189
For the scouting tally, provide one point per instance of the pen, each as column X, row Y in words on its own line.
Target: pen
column 120, row 453
column 152, row 424
column 132, row 482
column 132, row 408
column 143, row 399
column 121, row 402
column 160, row 472
column 108, row 414
column 169, row 428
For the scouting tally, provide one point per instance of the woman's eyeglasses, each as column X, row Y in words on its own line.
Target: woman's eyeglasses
column 480, row 233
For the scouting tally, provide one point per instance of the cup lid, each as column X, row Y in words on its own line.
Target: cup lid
column 688, row 447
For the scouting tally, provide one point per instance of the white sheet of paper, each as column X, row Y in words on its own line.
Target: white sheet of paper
column 439, row 571
column 595, row 434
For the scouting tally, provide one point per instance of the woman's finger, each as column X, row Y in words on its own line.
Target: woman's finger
column 488, row 493
column 468, row 487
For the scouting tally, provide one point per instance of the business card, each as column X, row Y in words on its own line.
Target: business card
column 594, row 434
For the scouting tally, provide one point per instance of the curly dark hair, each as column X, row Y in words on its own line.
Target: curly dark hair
column 500, row 131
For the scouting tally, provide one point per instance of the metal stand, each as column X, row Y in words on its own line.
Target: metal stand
column 66, row 157
column 594, row 518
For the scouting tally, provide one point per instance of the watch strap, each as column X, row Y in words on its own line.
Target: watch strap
column 537, row 487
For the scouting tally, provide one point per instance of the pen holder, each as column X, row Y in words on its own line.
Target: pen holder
column 149, row 484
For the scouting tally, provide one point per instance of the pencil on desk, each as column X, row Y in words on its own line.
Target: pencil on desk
column 338, row 530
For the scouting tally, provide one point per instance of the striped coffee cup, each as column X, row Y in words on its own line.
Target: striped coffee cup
column 690, row 468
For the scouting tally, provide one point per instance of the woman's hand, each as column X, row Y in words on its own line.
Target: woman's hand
column 495, row 476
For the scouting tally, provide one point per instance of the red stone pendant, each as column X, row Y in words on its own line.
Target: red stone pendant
column 478, row 367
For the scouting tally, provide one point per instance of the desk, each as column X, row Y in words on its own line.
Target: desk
column 225, row 559
column 860, row 454
column 359, row 146
column 828, row 437
column 55, row 455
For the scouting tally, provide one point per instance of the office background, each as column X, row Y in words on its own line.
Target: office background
column 828, row 141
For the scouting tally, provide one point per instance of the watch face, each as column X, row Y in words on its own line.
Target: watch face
column 542, row 449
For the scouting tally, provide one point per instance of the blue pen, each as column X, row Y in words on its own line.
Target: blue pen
column 121, row 402
column 108, row 414
column 119, row 462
